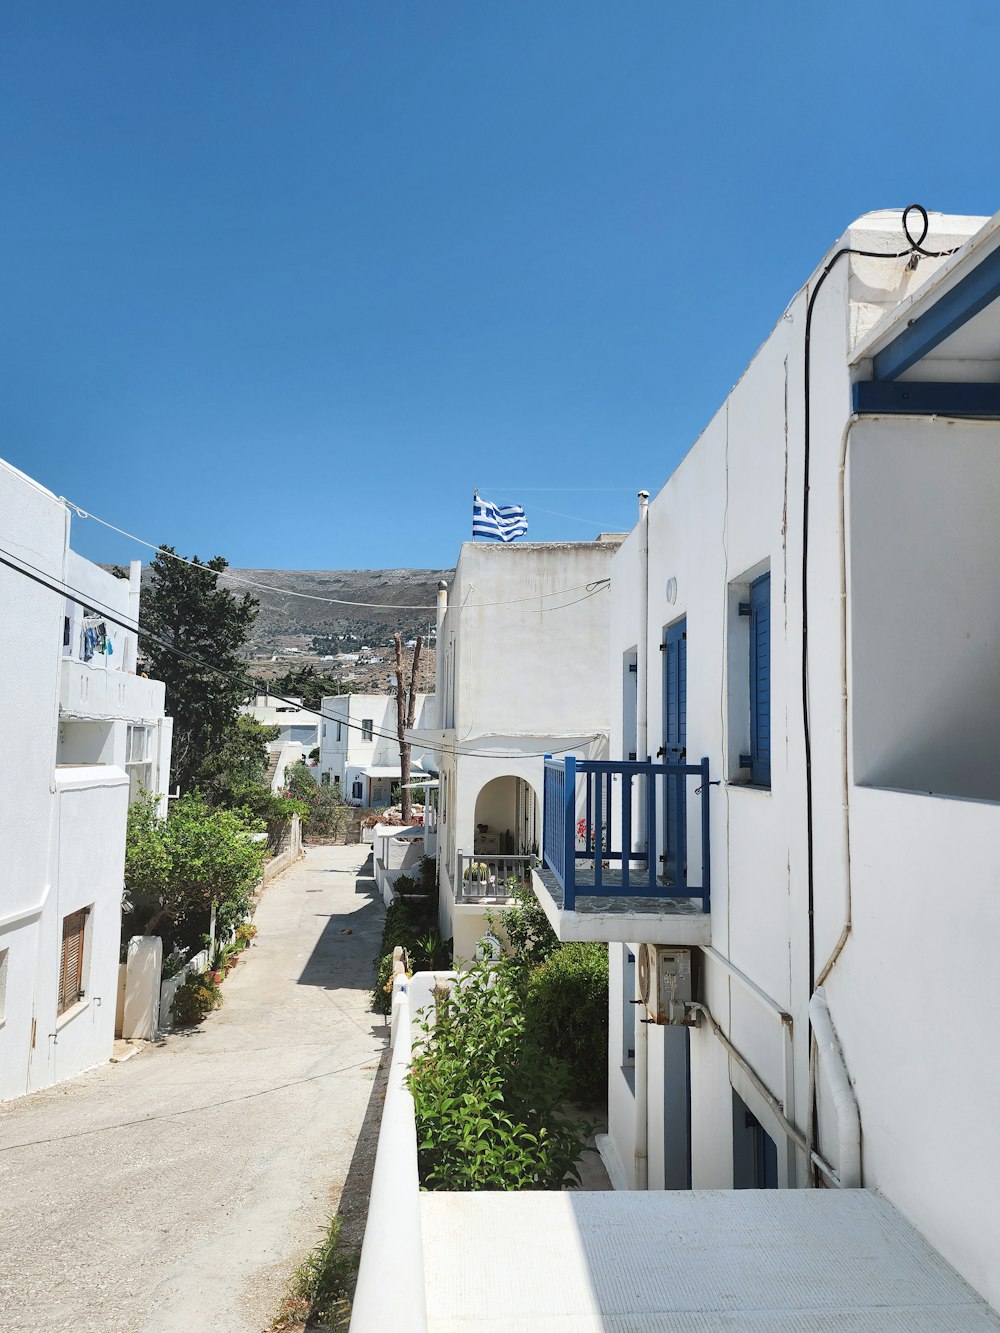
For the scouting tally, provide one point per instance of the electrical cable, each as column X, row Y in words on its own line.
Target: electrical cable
column 87, row 600
column 309, row 596
column 914, row 249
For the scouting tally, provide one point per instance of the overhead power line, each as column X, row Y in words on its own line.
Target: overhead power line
column 588, row 588
column 43, row 579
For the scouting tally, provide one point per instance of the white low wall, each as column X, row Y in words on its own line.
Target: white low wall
column 141, row 1010
column 393, row 1242
column 170, row 987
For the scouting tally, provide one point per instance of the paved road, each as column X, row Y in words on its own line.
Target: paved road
column 177, row 1191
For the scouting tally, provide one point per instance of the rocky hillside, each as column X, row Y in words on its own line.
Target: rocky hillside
column 294, row 631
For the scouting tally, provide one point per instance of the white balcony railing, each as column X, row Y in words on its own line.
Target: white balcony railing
column 95, row 692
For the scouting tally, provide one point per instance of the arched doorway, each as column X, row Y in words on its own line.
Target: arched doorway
column 507, row 818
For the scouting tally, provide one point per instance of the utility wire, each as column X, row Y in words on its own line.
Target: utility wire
column 87, row 600
column 316, row 597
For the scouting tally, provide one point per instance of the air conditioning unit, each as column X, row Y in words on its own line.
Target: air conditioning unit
column 665, row 984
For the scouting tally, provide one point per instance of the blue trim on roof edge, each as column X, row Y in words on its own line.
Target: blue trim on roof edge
column 917, row 398
column 973, row 293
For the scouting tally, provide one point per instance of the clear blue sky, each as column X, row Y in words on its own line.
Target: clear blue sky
column 284, row 281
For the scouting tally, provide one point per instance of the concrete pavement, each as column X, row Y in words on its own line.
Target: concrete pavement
column 179, row 1190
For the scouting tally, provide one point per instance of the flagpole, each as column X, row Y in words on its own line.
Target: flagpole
column 475, row 497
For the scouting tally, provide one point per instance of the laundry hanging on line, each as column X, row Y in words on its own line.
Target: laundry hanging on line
column 95, row 638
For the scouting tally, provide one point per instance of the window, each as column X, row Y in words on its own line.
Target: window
column 367, row 729
column 137, row 761
column 759, row 758
column 324, row 780
column 339, row 730
column 357, row 791
column 630, row 704
column 71, row 964
column 749, row 747
column 628, row 1016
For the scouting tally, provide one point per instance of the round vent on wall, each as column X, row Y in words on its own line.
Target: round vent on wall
column 645, row 963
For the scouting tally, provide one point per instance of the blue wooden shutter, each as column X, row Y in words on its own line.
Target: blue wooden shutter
column 760, row 681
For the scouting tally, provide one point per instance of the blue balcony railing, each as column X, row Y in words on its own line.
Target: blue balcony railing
column 615, row 829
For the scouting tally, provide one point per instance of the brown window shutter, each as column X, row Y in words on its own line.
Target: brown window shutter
column 71, row 966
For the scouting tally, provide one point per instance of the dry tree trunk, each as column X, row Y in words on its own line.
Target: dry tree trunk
column 406, row 706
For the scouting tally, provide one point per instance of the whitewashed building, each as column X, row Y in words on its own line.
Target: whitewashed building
column 811, row 606
column 293, row 721
column 517, row 678
column 82, row 734
column 359, row 745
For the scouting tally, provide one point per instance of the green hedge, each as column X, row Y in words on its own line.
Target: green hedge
column 487, row 1094
column 412, row 922
column 567, row 1007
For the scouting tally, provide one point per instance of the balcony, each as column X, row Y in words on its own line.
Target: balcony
column 95, row 692
column 620, row 861
column 486, row 878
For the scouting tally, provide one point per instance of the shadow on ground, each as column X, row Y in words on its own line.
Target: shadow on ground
column 343, row 956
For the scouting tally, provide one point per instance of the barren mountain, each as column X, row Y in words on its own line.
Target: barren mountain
column 364, row 605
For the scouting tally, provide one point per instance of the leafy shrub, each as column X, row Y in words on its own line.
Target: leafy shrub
column 173, row 962
column 567, row 1008
column 198, row 996
column 326, row 815
column 412, row 923
column 245, row 932
column 530, row 937
column 486, row 1093
column 427, row 873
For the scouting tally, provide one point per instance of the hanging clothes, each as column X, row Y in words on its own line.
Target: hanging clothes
column 94, row 638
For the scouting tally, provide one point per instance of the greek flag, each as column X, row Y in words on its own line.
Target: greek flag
column 498, row 523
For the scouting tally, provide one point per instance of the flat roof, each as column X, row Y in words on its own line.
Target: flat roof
column 654, row 1262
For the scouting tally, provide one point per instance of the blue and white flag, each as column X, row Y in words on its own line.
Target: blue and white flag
column 498, row 523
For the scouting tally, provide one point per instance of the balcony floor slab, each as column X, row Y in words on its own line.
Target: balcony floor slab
column 623, row 919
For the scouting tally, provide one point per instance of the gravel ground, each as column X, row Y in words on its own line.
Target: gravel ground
column 180, row 1189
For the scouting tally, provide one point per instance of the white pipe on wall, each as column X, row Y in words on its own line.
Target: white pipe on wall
column 641, row 1135
column 831, row 1059
column 641, row 1170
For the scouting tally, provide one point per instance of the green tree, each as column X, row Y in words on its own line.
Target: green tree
column 195, row 857
column 307, row 684
column 186, row 609
column 235, row 774
column 326, row 815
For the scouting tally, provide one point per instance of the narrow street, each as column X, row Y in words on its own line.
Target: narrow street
column 180, row 1189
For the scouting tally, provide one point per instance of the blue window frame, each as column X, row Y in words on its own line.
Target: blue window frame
column 760, row 681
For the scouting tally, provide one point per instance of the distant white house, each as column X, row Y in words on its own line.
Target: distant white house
column 359, row 746
column 294, row 722
column 83, row 733
column 517, row 677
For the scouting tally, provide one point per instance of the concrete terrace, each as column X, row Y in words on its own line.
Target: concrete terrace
column 756, row 1261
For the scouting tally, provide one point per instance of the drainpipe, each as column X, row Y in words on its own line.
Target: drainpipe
column 831, row 1059
column 131, row 654
column 442, row 607
column 642, row 750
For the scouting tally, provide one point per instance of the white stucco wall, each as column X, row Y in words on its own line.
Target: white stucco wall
column 34, row 527
column 521, row 673
column 62, row 826
column 917, row 1007
column 925, row 548
column 343, row 758
column 913, row 995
